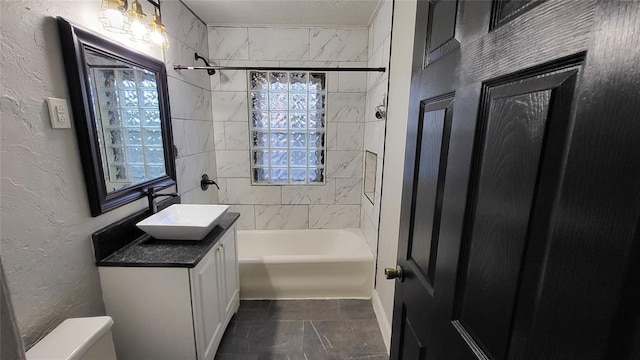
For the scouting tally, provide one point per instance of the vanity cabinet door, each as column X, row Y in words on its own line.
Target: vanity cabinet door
column 230, row 252
column 206, row 285
column 222, row 302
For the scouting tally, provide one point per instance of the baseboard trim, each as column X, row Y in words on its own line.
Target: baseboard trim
column 383, row 321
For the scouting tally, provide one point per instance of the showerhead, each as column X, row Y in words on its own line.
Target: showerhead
column 381, row 112
column 206, row 62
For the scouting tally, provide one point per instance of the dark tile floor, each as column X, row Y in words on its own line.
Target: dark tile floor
column 303, row 330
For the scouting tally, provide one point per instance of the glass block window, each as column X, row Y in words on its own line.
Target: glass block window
column 126, row 102
column 287, row 120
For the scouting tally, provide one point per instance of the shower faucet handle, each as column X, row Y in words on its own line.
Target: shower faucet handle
column 205, row 182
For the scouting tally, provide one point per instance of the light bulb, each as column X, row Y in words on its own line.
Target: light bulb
column 156, row 37
column 112, row 16
column 137, row 23
column 158, row 32
column 138, row 30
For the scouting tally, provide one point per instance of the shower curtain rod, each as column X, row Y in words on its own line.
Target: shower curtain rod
column 277, row 68
column 211, row 70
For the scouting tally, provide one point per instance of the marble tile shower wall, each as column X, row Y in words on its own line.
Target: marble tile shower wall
column 374, row 138
column 190, row 102
column 333, row 205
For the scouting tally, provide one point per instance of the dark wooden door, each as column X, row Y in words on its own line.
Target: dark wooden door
column 521, row 199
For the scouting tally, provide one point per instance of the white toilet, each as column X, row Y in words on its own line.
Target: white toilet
column 77, row 339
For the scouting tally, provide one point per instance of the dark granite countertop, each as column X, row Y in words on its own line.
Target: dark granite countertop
column 142, row 250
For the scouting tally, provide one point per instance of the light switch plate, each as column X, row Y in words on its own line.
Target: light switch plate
column 59, row 113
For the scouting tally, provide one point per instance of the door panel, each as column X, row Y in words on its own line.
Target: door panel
column 412, row 348
column 507, row 170
column 441, row 34
column 435, row 129
column 507, row 10
column 503, row 201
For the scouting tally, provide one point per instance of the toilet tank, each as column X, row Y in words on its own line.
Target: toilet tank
column 77, row 339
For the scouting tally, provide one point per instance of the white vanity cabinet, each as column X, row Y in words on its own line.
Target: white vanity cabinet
column 173, row 312
column 215, row 295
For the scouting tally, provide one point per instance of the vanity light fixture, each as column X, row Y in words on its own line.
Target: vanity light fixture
column 116, row 16
column 158, row 32
column 138, row 23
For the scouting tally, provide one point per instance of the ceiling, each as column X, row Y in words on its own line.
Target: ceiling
column 334, row 13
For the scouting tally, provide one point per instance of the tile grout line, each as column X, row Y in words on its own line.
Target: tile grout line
column 269, row 307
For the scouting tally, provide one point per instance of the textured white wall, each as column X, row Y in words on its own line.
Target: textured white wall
column 399, row 83
column 336, row 204
column 45, row 221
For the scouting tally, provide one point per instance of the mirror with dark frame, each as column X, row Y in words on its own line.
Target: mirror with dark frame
column 121, row 113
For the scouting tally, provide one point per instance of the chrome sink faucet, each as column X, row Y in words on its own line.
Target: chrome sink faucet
column 152, row 195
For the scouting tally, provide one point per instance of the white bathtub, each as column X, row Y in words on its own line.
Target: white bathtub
column 304, row 264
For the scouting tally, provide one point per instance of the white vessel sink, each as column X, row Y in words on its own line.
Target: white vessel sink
column 183, row 221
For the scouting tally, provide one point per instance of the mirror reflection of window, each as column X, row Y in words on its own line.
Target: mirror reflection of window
column 127, row 114
column 370, row 170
